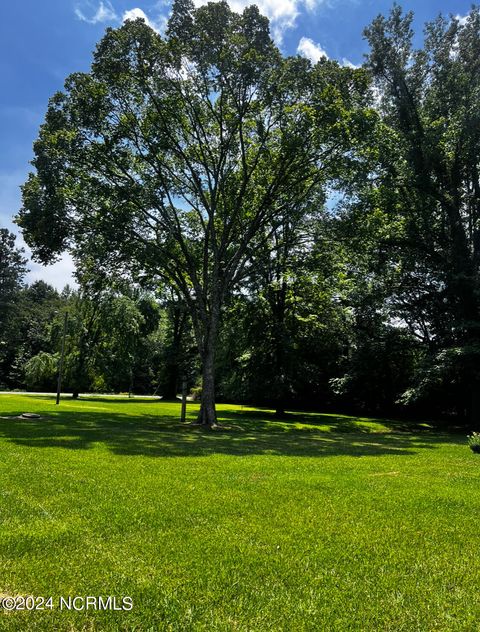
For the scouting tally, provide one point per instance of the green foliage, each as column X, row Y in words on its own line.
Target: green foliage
column 312, row 232
column 41, row 370
column 414, row 222
column 474, row 442
column 99, row 384
column 173, row 158
column 12, row 268
column 30, row 329
column 178, row 352
column 12, row 272
column 109, row 341
column 284, row 337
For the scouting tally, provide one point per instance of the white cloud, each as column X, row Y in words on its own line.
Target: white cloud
column 103, row 12
column 134, row 14
column 282, row 13
column 462, row 19
column 157, row 25
column 348, row 64
column 307, row 48
column 314, row 52
column 87, row 11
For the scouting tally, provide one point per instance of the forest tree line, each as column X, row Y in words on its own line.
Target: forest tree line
column 276, row 232
column 274, row 349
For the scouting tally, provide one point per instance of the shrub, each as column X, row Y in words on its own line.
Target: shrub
column 99, row 384
column 474, row 442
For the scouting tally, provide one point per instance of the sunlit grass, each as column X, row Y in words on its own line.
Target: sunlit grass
column 315, row 522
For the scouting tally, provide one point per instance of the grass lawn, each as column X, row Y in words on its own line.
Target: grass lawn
column 321, row 522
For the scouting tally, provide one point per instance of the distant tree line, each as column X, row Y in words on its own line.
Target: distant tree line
column 274, row 232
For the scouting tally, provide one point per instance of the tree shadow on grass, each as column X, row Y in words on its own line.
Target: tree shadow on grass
column 110, row 399
column 344, row 423
column 245, row 432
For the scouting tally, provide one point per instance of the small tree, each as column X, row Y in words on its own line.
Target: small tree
column 41, row 371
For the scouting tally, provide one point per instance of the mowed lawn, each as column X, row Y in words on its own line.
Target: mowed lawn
column 321, row 522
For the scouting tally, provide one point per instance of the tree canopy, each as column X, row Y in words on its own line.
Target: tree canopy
column 428, row 191
column 312, row 229
column 174, row 158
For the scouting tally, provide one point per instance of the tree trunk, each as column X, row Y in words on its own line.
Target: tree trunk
column 207, row 339
column 278, row 307
column 207, row 415
column 130, row 384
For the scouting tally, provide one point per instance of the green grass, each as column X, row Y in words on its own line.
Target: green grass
column 320, row 522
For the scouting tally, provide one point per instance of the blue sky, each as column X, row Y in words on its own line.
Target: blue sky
column 41, row 42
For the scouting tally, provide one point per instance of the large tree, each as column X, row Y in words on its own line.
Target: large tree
column 172, row 159
column 420, row 209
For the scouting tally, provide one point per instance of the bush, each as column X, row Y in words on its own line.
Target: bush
column 99, row 384
column 474, row 442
